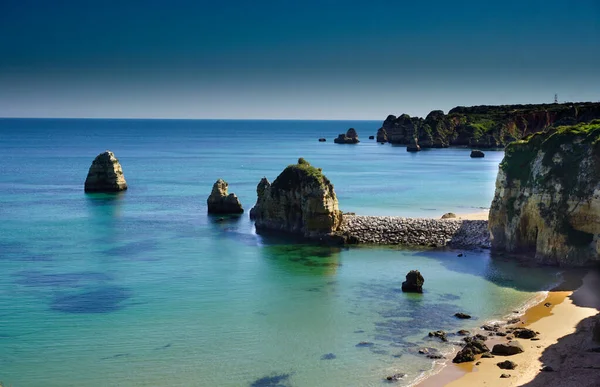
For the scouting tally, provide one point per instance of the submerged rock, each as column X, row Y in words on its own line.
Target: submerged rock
column 462, row 315
column 414, row 282
column 476, row 154
column 220, row 202
column 301, row 200
column 395, row 377
column 439, row 334
column 547, row 199
column 105, row 175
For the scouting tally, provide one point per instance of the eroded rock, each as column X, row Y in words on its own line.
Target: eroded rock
column 105, row 175
column 222, row 202
column 414, row 282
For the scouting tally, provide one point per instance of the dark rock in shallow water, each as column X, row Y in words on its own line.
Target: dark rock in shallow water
column 328, row 356
column 322, row 139
column 463, row 332
column 475, row 154
column 507, row 365
column 395, row 377
column 371, row 137
column 364, row 344
column 105, row 175
column 414, row 282
column 103, row 300
column 272, row 381
column 508, row 349
column 462, row 315
column 439, row 334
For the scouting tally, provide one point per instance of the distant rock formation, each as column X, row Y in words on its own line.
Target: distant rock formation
column 351, row 137
column 485, row 126
column 301, row 200
column 475, row 154
column 105, row 175
column 322, row 139
column 413, row 146
column 414, row 282
column 382, row 135
column 547, row 199
column 220, row 202
column 371, row 137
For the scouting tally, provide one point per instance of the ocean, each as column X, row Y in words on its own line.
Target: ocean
column 144, row 289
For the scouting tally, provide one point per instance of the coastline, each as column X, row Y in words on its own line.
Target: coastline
column 568, row 310
column 484, row 214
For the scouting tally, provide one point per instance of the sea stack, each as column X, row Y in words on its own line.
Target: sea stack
column 547, row 199
column 105, row 175
column 414, row 282
column 220, row 202
column 301, row 200
column 351, row 137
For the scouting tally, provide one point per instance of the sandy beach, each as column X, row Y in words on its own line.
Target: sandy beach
column 564, row 322
column 479, row 215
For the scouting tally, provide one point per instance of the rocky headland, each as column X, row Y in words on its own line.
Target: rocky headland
column 547, row 199
column 105, row 175
column 483, row 126
column 301, row 200
column 222, row 202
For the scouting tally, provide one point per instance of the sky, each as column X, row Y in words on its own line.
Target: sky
column 283, row 59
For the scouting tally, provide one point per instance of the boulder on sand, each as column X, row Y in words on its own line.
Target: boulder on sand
column 508, row 349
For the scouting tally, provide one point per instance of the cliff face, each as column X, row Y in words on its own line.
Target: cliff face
column 105, row 175
column 485, row 126
column 547, row 199
column 301, row 200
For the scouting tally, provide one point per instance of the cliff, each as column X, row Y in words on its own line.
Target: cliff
column 547, row 199
column 485, row 126
column 301, row 200
column 105, row 175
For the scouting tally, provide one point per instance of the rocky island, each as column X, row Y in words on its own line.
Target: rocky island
column 105, row 175
column 222, row 202
column 483, row 126
column 301, row 201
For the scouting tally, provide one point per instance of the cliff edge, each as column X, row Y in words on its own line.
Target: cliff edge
column 547, row 198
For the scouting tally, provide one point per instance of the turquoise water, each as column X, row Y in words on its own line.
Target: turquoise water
column 144, row 289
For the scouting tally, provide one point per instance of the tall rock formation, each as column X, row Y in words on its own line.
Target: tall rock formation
column 547, row 199
column 220, row 202
column 301, row 200
column 105, row 175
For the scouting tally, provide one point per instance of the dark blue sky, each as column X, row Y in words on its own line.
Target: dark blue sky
column 292, row 59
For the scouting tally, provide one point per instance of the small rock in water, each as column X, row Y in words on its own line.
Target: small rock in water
column 322, row 139
column 365, row 344
column 414, row 282
column 504, row 376
column 547, row 369
column 440, row 334
column 462, row 315
column 477, row 153
column 371, row 137
column 463, row 332
column 460, row 255
column 507, row 365
column 395, row 377
column 547, row 304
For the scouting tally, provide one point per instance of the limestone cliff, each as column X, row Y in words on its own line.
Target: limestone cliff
column 301, row 200
column 547, row 199
column 222, row 202
column 485, row 126
column 105, row 175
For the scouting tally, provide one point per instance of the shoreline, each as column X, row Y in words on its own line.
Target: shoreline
column 556, row 322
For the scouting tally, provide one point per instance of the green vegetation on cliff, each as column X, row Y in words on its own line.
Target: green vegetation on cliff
column 569, row 170
column 486, row 126
column 295, row 174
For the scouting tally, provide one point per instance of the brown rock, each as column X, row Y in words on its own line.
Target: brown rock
column 220, row 202
column 105, row 175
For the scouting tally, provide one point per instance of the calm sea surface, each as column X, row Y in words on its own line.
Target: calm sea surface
column 144, row 289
